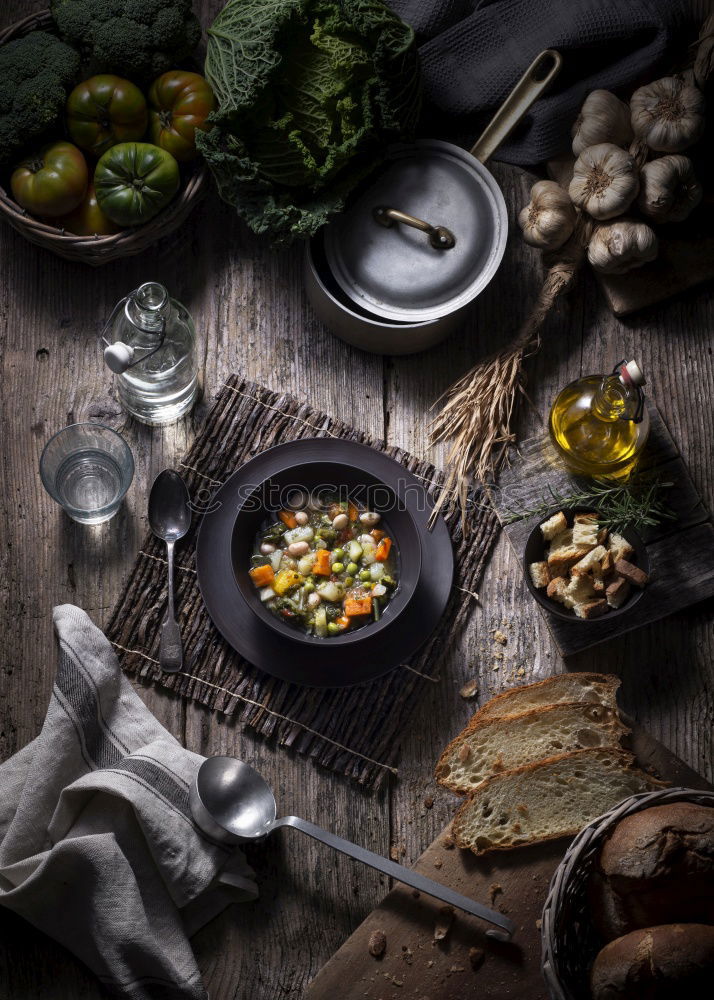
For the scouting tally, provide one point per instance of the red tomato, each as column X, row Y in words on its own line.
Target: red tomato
column 179, row 103
column 88, row 219
column 53, row 182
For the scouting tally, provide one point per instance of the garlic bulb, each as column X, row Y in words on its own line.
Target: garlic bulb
column 603, row 118
column 622, row 245
column 548, row 219
column 669, row 190
column 668, row 114
column 605, row 181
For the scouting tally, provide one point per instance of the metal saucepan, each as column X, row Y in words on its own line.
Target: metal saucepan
column 397, row 271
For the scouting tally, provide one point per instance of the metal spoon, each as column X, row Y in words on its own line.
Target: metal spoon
column 231, row 802
column 170, row 519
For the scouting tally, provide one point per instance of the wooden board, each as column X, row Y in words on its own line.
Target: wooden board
column 681, row 552
column 515, row 882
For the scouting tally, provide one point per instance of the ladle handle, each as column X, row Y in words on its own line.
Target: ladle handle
column 402, row 874
column 537, row 78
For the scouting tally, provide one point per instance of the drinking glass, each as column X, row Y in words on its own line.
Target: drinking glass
column 87, row 469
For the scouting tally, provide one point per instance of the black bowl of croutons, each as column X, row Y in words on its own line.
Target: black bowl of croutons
column 581, row 570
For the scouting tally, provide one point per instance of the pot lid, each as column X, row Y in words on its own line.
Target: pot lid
column 437, row 259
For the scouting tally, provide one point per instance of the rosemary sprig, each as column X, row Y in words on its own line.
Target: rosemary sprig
column 636, row 504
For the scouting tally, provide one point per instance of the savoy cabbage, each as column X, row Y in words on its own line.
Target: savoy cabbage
column 309, row 94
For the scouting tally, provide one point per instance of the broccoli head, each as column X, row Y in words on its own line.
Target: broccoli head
column 140, row 39
column 36, row 73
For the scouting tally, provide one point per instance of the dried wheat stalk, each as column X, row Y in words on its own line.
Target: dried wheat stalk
column 479, row 408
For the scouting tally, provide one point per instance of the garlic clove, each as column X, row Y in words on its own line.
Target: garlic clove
column 668, row 114
column 548, row 219
column 669, row 189
column 622, row 245
column 603, row 118
column 605, row 181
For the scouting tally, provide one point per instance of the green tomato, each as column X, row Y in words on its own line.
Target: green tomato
column 105, row 110
column 134, row 181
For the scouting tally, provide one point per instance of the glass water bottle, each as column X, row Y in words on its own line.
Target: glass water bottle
column 599, row 423
column 150, row 344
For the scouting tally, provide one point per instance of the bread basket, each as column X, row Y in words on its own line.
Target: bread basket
column 96, row 250
column 569, row 940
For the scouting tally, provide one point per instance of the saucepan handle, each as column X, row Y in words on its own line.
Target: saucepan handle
column 536, row 79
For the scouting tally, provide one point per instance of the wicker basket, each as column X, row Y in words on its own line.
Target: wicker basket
column 569, row 940
column 96, row 250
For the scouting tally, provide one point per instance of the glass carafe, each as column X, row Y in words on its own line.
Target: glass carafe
column 150, row 344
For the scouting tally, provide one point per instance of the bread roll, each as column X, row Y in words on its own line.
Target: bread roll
column 669, row 962
column 656, row 867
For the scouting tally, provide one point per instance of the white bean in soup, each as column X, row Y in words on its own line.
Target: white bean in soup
column 326, row 569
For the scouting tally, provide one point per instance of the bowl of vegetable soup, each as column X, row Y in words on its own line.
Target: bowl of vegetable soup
column 326, row 553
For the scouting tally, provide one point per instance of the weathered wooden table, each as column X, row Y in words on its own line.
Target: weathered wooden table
column 252, row 316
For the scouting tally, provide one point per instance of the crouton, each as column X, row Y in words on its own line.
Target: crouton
column 620, row 547
column 589, row 561
column 539, row 574
column 554, row 526
column 591, row 609
column 557, row 591
column 580, row 590
column 585, row 530
column 563, row 553
column 633, row 574
column 607, row 564
column 617, row 592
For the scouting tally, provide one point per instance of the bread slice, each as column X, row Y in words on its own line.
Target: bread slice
column 592, row 689
column 502, row 744
column 553, row 798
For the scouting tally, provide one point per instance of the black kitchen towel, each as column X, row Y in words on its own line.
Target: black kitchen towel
column 473, row 52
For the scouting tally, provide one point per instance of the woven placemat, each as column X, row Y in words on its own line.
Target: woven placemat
column 353, row 731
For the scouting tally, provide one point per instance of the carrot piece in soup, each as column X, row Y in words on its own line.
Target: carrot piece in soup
column 383, row 548
column 262, row 576
column 343, row 621
column 323, row 563
column 352, row 512
column 288, row 518
column 355, row 606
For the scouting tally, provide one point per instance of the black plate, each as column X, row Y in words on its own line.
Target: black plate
column 329, row 662
column 535, row 552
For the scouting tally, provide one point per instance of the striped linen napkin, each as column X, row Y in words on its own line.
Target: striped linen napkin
column 97, row 845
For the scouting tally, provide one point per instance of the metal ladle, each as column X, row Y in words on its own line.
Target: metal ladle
column 232, row 803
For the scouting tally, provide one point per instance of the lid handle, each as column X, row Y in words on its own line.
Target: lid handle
column 536, row 79
column 440, row 237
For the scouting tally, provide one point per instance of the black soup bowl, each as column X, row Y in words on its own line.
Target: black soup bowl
column 265, row 499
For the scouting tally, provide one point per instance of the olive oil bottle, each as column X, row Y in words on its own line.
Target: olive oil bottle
column 599, row 423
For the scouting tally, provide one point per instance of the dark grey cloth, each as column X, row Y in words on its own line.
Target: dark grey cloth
column 473, row 52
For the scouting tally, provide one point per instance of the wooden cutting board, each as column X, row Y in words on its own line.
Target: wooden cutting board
column 415, row 967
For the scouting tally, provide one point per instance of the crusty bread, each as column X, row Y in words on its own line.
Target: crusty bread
column 592, row 689
column 656, row 867
column 554, row 798
column 502, row 744
column 564, row 553
column 619, row 546
column 656, row 963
